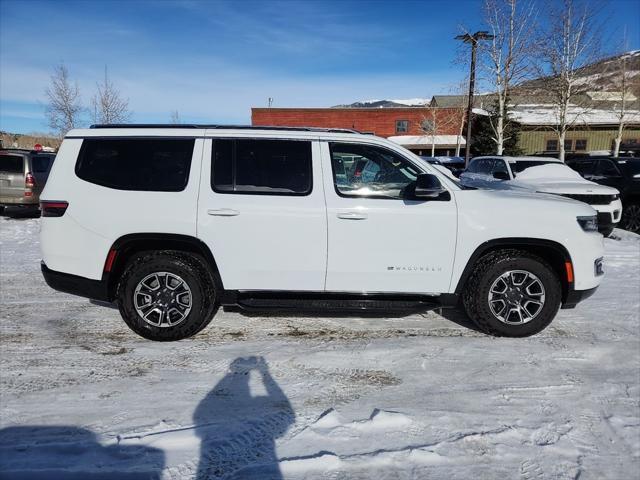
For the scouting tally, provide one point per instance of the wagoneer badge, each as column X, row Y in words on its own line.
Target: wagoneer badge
column 415, row 268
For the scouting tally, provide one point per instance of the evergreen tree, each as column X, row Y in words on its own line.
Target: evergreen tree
column 483, row 135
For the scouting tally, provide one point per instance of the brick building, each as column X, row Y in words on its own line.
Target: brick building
column 406, row 126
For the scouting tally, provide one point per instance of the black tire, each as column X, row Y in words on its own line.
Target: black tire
column 192, row 269
column 606, row 231
column 631, row 217
column 475, row 296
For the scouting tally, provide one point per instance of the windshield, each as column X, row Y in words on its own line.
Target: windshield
column 520, row 165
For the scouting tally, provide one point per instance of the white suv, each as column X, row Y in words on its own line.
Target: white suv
column 546, row 175
column 170, row 222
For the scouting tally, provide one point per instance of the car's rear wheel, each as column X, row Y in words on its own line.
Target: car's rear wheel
column 631, row 217
column 166, row 295
column 512, row 293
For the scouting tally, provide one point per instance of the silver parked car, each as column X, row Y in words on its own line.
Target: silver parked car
column 23, row 174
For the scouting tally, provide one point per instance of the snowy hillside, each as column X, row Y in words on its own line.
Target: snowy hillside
column 258, row 397
column 603, row 76
column 396, row 103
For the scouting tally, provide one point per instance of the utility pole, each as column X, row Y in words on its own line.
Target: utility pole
column 473, row 40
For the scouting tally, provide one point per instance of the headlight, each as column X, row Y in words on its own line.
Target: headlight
column 588, row 224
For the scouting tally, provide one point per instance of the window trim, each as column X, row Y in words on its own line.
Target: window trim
column 546, row 145
column 571, row 145
column 402, row 120
column 373, row 197
column 575, row 144
column 84, row 146
column 233, row 166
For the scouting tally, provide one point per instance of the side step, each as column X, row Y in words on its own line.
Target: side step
column 329, row 302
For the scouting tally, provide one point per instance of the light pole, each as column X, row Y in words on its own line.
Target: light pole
column 473, row 40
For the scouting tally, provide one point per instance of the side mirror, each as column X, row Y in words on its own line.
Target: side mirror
column 501, row 175
column 428, row 186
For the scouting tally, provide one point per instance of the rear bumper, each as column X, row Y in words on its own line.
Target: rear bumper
column 31, row 202
column 75, row 285
column 576, row 296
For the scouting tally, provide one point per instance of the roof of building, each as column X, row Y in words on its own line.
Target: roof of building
column 427, row 140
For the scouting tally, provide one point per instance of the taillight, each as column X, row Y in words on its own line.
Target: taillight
column 29, row 181
column 51, row 208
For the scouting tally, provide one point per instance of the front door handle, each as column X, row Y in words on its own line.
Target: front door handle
column 352, row 216
column 223, row 212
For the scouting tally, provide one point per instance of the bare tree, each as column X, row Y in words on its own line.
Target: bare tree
column 108, row 104
column 571, row 42
column 460, row 112
column 507, row 58
column 625, row 85
column 175, row 117
column 64, row 108
column 432, row 124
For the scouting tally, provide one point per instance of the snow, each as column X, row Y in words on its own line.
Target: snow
column 264, row 397
column 413, row 102
column 427, row 140
column 550, row 172
column 541, row 114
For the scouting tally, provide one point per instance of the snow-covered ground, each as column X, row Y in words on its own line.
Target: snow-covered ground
column 424, row 396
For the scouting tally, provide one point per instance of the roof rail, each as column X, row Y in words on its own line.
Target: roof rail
column 234, row 127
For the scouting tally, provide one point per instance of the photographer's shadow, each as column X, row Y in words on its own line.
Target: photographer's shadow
column 238, row 429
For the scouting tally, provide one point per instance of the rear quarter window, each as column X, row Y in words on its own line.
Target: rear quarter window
column 11, row 163
column 144, row 164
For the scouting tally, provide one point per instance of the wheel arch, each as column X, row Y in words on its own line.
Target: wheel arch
column 128, row 245
column 553, row 252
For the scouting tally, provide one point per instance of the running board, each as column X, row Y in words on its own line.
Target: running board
column 328, row 302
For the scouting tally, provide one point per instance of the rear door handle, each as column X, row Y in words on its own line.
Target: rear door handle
column 352, row 216
column 223, row 212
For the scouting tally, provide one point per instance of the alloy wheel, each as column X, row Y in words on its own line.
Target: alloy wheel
column 516, row 297
column 162, row 299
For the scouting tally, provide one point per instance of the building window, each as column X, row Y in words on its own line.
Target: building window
column 581, row 144
column 402, row 126
column 552, row 145
column 568, row 144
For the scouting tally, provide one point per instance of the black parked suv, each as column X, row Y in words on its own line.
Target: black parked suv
column 622, row 173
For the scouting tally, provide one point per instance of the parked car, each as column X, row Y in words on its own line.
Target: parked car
column 546, row 175
column 621, row 173
column 454, row 164
column 169, row 223
column 23, row 174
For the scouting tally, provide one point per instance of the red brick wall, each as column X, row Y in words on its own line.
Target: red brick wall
column 381, row 121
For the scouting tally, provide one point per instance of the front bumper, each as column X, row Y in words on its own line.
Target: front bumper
column 576, row 296
column 81, row 286
column 608, row 215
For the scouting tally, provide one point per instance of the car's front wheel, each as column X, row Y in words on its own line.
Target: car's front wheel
column 512, row 293
column 166, row 295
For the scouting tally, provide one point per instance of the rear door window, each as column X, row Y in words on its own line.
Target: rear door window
column 145, row 164
column 261, row 167
column 11, row 164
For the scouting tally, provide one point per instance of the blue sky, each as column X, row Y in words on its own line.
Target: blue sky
column 212, row 61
